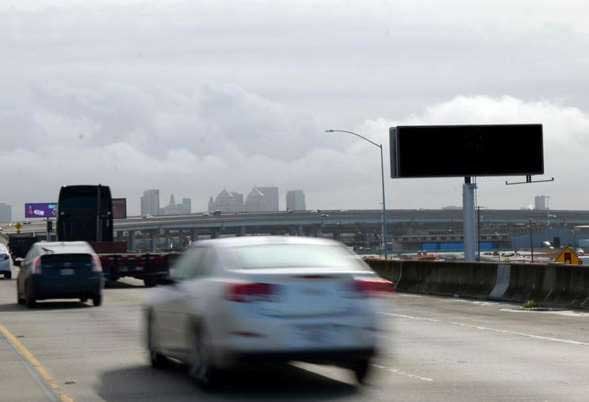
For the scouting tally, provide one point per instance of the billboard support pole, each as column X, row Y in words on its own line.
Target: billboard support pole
column 468, row 210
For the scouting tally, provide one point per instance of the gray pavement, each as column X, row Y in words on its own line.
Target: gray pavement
column 436, row 349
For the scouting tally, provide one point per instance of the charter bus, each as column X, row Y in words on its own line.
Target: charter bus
column 85, row 213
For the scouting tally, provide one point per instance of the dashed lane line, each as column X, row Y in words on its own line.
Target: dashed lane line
column 403, row 373
column 37, row 370
column 489, row 329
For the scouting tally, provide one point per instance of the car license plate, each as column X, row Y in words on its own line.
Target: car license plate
column 67, row 271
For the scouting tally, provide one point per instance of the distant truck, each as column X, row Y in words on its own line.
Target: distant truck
column 19, row 244
column 85, row 213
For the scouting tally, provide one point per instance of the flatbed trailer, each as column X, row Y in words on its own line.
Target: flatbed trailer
column 151, row 268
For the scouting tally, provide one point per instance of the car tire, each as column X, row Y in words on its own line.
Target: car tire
column 30, row 300
column 362, row 370
column 149, row 282
column 8, row 275
column 200, row 366
column 156, row 359
column 97, row 300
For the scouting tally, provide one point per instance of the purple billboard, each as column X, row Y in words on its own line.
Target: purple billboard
column 41, row 210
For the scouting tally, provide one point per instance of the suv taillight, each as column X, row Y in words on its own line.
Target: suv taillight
column 251, row 292
column 36, row 266
column 96, row 265
column 372, row 287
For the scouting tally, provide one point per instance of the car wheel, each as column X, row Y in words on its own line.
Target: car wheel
column 29, row 298
column 149, row 282
column 97, row 300
column 200, row 366
column 157, row 360
column 361, row 370
column 8, row 275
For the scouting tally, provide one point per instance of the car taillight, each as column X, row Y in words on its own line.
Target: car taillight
column 250, row 292
column 36, row 265
column 96, row 265
column 372, row 287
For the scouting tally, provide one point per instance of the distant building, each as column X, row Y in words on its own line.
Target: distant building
column 227, row 201
column 150, row 202
column 254, row 201
column 172, row 208
column 5, row 213
column 295, row 200
column 187, row 205
column 262, row 199
column 271, row 198
column 541, row 203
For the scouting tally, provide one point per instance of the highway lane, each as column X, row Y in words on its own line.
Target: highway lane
column 436, row 350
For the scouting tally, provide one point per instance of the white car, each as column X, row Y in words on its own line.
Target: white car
column 5, row 262
column 243, row 300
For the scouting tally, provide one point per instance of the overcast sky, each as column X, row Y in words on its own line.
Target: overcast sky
column 195, row 96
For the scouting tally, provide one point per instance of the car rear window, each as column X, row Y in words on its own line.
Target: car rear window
column 78, row 260
column 296, row 256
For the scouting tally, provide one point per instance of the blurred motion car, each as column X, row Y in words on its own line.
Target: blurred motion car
column 5, row 262
column 60, row 270
column 237, row 301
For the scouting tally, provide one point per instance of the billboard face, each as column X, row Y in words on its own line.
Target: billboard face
column 466, row 150
column 41, row 210
column 119, row 208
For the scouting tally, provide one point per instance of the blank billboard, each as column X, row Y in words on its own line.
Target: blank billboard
column 466, row 150
column 119, row 208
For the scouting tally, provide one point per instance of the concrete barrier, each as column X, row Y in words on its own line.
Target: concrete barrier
column 502, row 282
column 553, row 284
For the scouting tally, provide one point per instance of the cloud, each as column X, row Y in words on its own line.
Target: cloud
column 195, row 96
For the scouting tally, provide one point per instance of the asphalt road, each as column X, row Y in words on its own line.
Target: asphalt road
column 436, row 350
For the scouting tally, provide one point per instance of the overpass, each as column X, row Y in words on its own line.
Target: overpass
column 408, row 228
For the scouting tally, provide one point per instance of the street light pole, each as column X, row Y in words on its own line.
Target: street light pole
column 384, row 208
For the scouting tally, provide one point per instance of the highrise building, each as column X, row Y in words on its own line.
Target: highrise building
column 271, row 198
column 187, row 205
column 227, row 202
column 254, row 201
column 541, row 203
column 5, row 213
column 150, row 202
column 172, row 208
column 262, row 199
column 295, row 200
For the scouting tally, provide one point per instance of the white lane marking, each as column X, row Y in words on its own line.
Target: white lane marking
column 488, row 329
column 564, row 313
column 403, row 373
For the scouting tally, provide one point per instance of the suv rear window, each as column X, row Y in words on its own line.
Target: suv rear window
column 296, row 256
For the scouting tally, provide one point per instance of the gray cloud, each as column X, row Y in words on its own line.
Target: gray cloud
column 194, row 96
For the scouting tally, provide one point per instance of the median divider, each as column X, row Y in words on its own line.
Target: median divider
column 549, row 284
